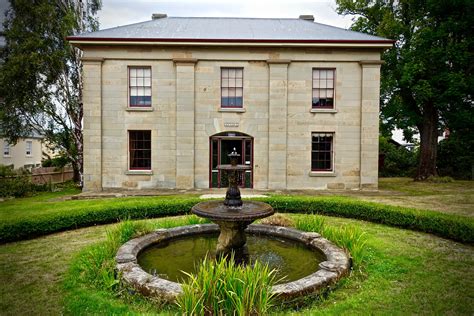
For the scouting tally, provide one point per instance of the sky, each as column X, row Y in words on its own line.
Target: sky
column 123, row 12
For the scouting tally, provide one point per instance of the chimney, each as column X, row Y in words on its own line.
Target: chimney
column 156, row 16
column 307, row 17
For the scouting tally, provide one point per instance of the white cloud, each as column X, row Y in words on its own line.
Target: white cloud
column 121, row 12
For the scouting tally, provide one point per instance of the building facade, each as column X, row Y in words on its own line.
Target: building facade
column 165, row 104
column 26, row 153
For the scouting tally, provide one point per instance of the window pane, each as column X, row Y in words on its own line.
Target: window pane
column 231, row 82
column 330, row 84
column 329, row 93
column 147, row 82
column 133, row 81
column 239, row 83
column 225, row 73
column 232, row 73
column 238, row 92
column 330, row 74
column 133, row 72
column 225, row 92
column 139, row 72
column 239, row 73
column 315, row 74
column 225, row 82
column 147, row 72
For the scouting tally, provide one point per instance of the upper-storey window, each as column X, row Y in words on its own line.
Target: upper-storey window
column 29, row 147
column 139, row 86
column 323, row 88
column 232, row 87
column 6, row 149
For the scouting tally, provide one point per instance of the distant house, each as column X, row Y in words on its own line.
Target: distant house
column 27, row 153
column 166, row 100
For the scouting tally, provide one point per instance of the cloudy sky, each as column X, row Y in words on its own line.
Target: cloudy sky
column 122, row 12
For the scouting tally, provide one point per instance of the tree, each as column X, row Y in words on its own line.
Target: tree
column 40, row 79
column 427, row 83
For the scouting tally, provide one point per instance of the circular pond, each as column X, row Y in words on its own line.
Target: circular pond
column 169, row 259
column 144, row 262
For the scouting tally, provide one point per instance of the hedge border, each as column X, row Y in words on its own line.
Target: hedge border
column 454, row 227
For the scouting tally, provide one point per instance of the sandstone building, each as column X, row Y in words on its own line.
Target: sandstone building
column 166, row 100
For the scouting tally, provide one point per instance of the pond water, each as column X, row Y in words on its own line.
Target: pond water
column 291, row 259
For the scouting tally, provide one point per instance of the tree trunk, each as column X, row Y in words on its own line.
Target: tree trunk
column 428, row 143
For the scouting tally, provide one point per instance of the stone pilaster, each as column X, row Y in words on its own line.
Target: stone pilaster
column 277, row 123
column 92, row 100
column 185, row 122
column 369, row 123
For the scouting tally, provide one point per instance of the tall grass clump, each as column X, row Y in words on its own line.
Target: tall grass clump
column 224, row 287
column 348, row 237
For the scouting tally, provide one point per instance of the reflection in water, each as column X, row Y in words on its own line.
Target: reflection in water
column 292, row 260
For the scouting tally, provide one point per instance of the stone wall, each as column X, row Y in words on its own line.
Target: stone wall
column 186, row 112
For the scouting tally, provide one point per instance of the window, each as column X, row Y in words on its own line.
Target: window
column 323, row 88
column 232, row 83
column 6, row 149
column 29, row 147
column 140, row 86
column 140, row 150
column 322, row 151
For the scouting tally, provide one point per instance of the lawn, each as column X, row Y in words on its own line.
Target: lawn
column 406, row 272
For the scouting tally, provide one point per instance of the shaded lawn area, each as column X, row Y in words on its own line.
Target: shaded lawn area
column 407, row 273
column 452, row 198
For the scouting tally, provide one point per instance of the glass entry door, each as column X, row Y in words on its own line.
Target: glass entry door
column 221, row 146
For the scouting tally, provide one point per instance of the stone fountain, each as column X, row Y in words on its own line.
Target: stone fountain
column 233, row 216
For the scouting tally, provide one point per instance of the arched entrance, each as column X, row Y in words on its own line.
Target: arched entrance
column 221, row 145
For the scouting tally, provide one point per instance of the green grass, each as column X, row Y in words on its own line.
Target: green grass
column 405, row 272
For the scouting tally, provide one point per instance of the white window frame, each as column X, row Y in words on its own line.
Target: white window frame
column 6, row 149
column 29, row 151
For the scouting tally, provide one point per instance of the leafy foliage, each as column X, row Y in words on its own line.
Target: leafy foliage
column 17, row 183
column 398, row 161
column 427, row 81
column 40, row 79
column 456, row 156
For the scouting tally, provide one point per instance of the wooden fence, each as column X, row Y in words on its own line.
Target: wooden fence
column 51, row 175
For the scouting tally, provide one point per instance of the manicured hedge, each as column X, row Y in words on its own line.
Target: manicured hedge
column 51, row 223
column 449, row 226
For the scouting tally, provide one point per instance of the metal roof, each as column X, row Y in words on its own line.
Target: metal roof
column 228, row 29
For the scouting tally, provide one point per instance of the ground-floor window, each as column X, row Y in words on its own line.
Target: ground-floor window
column 322, row 151
column 139, row 150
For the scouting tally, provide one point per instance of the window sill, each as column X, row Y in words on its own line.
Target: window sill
column 7, row 156
column 323, row 111
column 139, row 109
column 235, row 110
column 322, row 174
column 139, row 172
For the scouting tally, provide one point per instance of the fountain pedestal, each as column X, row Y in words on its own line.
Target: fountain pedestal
column 233, row 216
